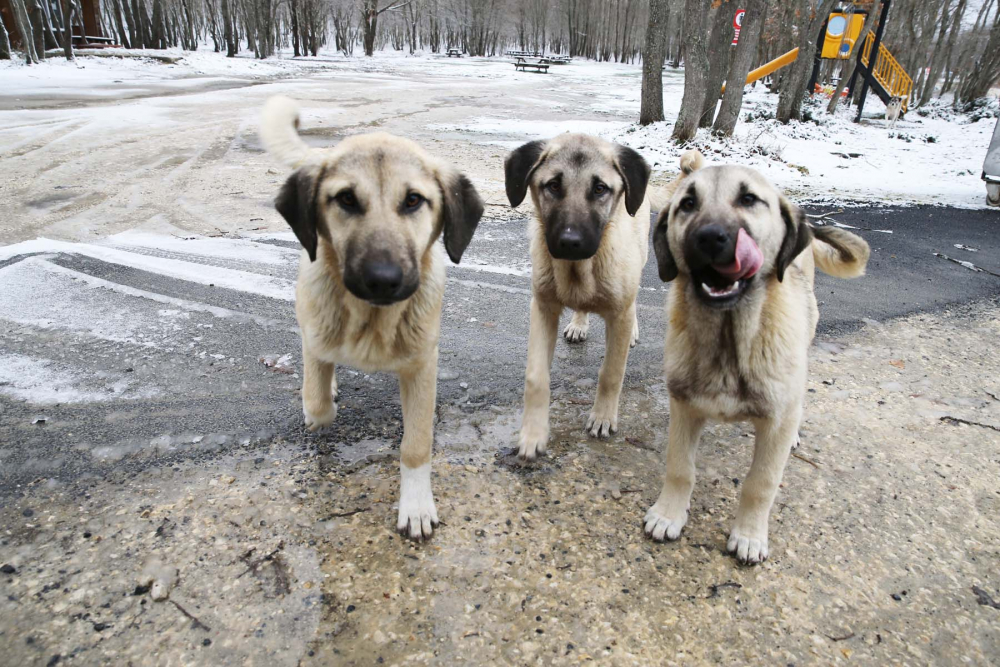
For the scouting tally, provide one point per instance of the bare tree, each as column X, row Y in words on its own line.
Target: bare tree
column 868, row 26
column 67, row 31
column 695, row 66
column 811, row 17
column 651, row 106
column 5, row 51
column 746, row 51
column 719, row 47
column 985, row 70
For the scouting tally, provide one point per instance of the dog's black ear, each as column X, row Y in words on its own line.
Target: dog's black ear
column 665, row 263
column 634, row 170
column 517, row 169
column 798, row 236
column 296, row 202
column 460, row 213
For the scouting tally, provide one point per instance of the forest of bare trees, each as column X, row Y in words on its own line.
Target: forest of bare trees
column 948, row 46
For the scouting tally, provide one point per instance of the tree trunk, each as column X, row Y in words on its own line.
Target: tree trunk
column 651, row 107
column 695, row 66
column 5, row 51
column 67, row 31
column 794, row 86
column 938, row 66
column 38, row 31
column 746, row 51
column 719, row 47
column 24, row 29
column 370, row 18
column 868, row 26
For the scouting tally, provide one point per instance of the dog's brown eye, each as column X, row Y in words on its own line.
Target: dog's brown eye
column 413, row 201
column 347, row 199
column 687, row 204
column 600, row 189
column 748, row 199
column 553, row 187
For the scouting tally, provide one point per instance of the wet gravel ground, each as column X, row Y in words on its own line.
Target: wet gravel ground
column 884, row 541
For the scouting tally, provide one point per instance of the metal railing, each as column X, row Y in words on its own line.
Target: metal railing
column 888, row 71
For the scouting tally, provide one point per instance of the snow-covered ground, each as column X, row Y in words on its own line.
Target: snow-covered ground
column 124, row 140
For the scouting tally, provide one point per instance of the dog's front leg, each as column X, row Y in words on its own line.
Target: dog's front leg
column 668, row 516
column 541, row 345
column 603, row 420
column 418, row 391
column 318, row 390
column 774, row 441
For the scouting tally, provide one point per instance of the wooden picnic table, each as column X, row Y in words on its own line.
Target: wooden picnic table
column 523, row 65
column 454, row 52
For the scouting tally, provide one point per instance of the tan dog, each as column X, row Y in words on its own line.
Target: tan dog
column 368, row 213
column 589, row 242
column 741, row 315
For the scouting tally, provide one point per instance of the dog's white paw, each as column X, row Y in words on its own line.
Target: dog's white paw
column 532, row 442
column 602, row 422
column 663, row 525
column 748, row 546
column 635, row 333
column 318, row 419
column 575, row 332
column 417, row 513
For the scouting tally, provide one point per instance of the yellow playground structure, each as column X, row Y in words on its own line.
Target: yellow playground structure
column 839, row 35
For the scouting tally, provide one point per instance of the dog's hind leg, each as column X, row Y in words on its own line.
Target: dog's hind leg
column 576, row 330
column 541, row 346
column 603, row 420
column 318, row 391
column 667, row 517
column 418, row 391
column 635, row 330
column 774, row 441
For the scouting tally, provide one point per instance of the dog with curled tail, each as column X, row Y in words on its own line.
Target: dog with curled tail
column 740, row 316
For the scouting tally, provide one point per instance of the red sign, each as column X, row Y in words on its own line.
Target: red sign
column 737, row 23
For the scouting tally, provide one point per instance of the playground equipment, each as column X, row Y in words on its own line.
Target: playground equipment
column 886, row 77
column 839, row 34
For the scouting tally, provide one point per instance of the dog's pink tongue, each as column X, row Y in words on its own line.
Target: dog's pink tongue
column 747, row 261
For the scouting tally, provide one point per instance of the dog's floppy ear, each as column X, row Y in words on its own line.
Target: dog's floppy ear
column 798, row 236
column 634, row 170
column 518, row 167
column 461, row 210
column 296, row 202
column 665, row 263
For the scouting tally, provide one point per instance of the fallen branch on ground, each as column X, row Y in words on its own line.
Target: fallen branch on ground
column 968, row 265
column 809, row 461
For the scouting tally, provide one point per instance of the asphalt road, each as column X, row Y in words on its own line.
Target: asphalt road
column 133, row 356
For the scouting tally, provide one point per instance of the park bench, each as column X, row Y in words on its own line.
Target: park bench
column 523, row 65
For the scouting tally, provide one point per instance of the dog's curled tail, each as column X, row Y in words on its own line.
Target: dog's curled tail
column 692, row 161
column 839, row 253
column 279, row 131
column 659, row 197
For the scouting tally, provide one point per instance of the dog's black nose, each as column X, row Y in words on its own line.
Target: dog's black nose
column 382, row 279
column 570, row 240
column 712, row 240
